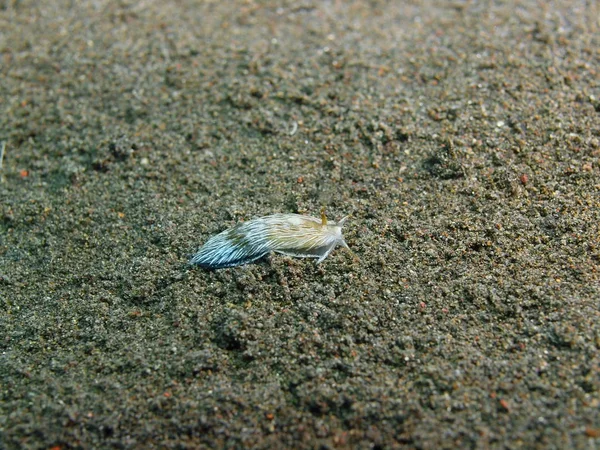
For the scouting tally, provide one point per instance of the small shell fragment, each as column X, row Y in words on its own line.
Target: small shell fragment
column 290, row 234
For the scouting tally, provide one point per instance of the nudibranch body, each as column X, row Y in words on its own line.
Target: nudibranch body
column 290, row 234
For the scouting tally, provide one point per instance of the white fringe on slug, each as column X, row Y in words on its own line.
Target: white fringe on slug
column 289, row 234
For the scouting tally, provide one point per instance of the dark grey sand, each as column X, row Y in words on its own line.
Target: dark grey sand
column 462, row 137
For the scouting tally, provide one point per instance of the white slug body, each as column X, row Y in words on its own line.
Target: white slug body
column 289, row 234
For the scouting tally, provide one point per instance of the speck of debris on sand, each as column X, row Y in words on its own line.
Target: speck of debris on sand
column 463, row 138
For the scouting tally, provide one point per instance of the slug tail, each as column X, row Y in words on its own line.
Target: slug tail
column 228, row 250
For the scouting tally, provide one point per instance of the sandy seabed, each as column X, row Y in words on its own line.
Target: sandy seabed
column 463, row 138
